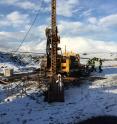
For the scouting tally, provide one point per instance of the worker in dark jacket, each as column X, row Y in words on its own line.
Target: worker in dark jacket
column 88, row 64
column 93, row 65
column 100, row 66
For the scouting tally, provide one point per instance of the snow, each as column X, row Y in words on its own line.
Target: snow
column 110, row 58
column 19, row 63
column 100, row 55
column 91, row 98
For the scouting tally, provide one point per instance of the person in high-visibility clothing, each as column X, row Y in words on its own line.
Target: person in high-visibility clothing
column 93, row 65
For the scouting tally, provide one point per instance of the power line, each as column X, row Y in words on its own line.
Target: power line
column 29, row 29
column 15, row 51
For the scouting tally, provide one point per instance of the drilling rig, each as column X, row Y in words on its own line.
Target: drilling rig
column 52, row 43
column 55, row 92
column 59, row 65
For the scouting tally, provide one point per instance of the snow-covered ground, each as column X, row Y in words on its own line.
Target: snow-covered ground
column 92, row 98
column 18, row 62
column 110, row 58
column 105, row 55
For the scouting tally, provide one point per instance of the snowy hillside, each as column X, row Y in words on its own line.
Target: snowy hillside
column 109, row 56
column 110, row 59
column 18, row 62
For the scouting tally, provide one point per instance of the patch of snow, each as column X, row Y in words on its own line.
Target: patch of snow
column 90, row 99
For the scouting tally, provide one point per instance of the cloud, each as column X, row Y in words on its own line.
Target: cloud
column 36, row 42
column 66, row 8
column 33, row 6
column 86, row 13
column 11, row 40
column 105, row 21
column 70, row 33
column 81, row 44
column 108, row 21
column 8, row 40
column 69, row 28
column 14, row 19
column 77, row 28
column 40, row 47
column 92, row 20
column 8, row 1
column 92, row 34
column 25, row 4
column 92, row 27
column 17, row 18
column 66, row 11
column 75, row 44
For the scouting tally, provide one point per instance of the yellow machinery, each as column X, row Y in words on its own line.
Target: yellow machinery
column 67, row 64
column 55, row 86
column 57, row 63
column 70, row 63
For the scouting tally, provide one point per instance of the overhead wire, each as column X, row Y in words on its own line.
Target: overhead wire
column 42, row 2
column 24, row 38
column 38, row 11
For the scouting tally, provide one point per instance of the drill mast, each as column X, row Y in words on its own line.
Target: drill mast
column 54, row 39
column 55, row 92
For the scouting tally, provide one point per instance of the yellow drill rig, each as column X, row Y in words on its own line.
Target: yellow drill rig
column 67, row 64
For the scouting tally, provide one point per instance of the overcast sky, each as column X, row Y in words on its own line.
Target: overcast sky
column 84, row 25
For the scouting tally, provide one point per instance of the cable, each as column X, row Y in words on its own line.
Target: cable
column 27, row 32
column 29, row 29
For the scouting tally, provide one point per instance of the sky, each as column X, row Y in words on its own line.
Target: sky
column 84, row 25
